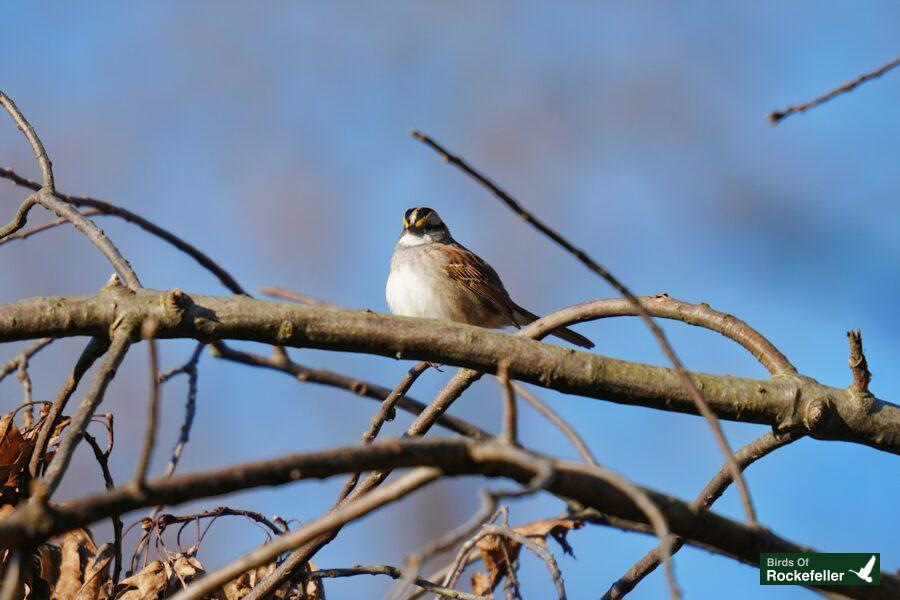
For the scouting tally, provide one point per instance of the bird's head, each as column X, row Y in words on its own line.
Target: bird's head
column 423, row 225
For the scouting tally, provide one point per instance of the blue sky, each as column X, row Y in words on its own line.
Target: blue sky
column 277, row 141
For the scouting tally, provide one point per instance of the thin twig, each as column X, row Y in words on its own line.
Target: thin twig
column 46, row 197
column 13, row 363
column 190, row 409
column 582, row 256
column 148, row 332
column 118, row 348
column 36, row 145
column 775, row 117
column 713, row 490
column 386, row 410
column 190, row 406
column 108, row 208
column 94, row 350
column 385, row 413
column 164, row 520
column 276, row 291
column 859, row 367
column 103, row 460
column 27, row 233
column 23, row 376
column 560, row 423
column 359, row 387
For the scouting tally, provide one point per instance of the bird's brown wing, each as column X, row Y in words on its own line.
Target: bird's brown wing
column 468, row 270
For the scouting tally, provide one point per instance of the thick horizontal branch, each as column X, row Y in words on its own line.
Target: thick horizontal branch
column 454, row 457
column 785, row 402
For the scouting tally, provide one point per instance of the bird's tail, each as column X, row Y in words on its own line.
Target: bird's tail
column 524, row 317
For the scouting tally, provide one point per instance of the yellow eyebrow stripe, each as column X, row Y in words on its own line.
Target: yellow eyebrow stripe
column 420, row 222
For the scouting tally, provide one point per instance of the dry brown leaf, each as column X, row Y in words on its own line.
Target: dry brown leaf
column 147, row 584
column 481, row 585
column 314, row 589
column 498, row 551
column 15, row 451
column 48, row 558
column 539, row 531
column 239, row 588
column 81, row 571
column 183, row 570
column 96, row 574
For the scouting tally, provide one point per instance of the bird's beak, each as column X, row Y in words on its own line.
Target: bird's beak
column 413, row 227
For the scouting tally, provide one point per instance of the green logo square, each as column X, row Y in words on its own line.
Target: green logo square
column 814, row 568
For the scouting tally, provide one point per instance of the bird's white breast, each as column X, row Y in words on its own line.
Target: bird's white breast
column 418, row 285
column 413, row 292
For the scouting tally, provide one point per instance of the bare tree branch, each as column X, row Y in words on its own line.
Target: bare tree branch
column 787, row 403
column 454, row 457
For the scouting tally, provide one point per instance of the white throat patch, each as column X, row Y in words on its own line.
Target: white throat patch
column 408, row 240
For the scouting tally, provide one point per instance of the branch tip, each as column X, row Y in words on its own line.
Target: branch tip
column 859, row 367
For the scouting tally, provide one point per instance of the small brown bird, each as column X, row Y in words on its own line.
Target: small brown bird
column 433, row 276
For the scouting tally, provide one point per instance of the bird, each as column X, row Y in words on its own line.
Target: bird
column 866, row 572
column 433, row 276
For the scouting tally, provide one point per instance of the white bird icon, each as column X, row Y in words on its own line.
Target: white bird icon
column 866, row 572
